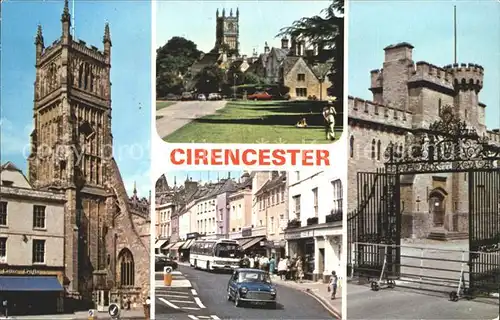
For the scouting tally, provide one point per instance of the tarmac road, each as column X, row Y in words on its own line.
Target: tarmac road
column 206, row 299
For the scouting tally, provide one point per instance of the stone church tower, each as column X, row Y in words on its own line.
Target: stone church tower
column 72, row 154
column 227, row 30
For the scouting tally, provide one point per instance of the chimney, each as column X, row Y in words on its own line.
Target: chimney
column 284, row 43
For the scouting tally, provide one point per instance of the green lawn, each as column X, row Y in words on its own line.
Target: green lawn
column 163, row 104
column 258, row 122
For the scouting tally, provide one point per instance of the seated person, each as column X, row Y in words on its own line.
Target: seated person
column 302, row 123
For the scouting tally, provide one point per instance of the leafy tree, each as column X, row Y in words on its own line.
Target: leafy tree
column 172, row 63
column 328, row 33
column 210, row 79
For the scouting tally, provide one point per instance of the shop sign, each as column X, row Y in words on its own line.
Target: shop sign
column 192, row 235
column 22, row 272
column 246, row 233
column 307, row 234
column 292, row 236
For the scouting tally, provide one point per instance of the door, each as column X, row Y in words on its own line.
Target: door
column 232, row 284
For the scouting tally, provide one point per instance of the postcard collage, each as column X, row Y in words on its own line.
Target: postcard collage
column 258, row 159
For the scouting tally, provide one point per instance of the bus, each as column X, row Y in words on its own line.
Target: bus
column 220, row 254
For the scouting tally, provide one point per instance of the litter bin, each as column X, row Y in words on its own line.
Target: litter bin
column 167, row 276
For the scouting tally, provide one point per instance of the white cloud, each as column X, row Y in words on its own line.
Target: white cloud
column 15, row 139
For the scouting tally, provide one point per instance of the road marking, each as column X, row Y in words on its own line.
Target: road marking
column 192, row 317
column 198, row 301
column 180, row 293
column 171, row 296
column 171, row 305
column 194, row 292
column 191, row 308
column 181, row 301
column 215, row 317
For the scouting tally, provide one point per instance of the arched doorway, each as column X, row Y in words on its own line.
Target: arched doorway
column 437, row 207
column 126, row 269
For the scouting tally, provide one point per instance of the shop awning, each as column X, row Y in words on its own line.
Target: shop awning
column 160, row 243
column 188, row 244
column 252, row 242
column 30, row 283
column 242, row 242
column 170, row 245
column 177, row 245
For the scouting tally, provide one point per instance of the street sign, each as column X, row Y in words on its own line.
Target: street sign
column 91, row 313
column 167, row 269
column 114, row 311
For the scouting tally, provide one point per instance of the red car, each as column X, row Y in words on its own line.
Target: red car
column 260, row 96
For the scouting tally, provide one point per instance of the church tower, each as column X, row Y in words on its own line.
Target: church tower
column 227, row 30
column 72, row 146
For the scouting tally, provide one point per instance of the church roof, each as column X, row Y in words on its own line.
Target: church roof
column 9, row 166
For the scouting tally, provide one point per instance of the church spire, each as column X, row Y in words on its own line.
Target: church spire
column 107, row 35
column 135, row 188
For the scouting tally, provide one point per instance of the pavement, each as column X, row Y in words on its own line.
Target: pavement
column 124, row 314
column 207, row 299
column 181, row 113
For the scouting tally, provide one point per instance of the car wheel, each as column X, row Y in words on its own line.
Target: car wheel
column 229, row 298
column 237, row 302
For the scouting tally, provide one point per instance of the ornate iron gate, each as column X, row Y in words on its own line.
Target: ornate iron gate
column 484, row 231
column 375, row 221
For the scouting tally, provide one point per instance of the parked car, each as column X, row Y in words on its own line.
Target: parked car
column 260, row 96
column 214, row 96
column 172, row 97
column 251, row 286
column 186, row 96
column 162, row 261
column 201, row 97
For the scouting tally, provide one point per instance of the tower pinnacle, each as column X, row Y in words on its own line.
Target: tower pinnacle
column 39, row 35
column 231, row 12
column 107, row 36
column 65, row 17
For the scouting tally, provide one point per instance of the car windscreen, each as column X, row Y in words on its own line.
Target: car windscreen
column 254, row 277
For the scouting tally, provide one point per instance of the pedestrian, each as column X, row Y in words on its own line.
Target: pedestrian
column 288, row 268
column 272, row 265
column 264, row 263
column 282, row 268
column 252, row 262
column 299, row 269
column 5, row 308
column 329, row 113
column 256, row 262
column 245, row 262
column 332, row 286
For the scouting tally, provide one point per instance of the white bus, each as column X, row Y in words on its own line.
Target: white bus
column 221, row 254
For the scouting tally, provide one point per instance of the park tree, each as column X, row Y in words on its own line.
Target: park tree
column 172, row 64
column 327, row 31
column 209, row 79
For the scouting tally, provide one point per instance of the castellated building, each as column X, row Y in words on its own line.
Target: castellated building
column 106, row 233
column 408, row 96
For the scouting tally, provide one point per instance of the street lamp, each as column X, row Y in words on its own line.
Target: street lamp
column 235, row 76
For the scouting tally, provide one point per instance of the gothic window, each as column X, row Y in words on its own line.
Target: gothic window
column 126, row 265
column 80, row 76
column 351, row 146
column 373, row 148
column 91, row 82
column 439, row 106
column 379, row 145
column 86, row 77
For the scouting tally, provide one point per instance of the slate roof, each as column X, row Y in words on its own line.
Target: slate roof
column 289, row 63
column 272, row 183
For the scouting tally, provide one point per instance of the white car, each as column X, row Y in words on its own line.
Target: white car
column 214, row 96
column 202, row 97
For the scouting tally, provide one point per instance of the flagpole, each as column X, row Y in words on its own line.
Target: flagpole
column 73, row 16
column 455, row 33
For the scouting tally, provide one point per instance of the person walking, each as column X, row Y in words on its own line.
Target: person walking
column 329, row 113
column 282, row 268
column 272, row 265
column 256, row 262
column 332, row 286
column 300, row 269
column 251, row 261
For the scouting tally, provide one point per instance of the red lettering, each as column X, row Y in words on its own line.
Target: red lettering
column 279, row 158
column 173, row 157
column 217, row 157
column 307, row 158
column 322, row 157
column 264, row 157
column 244, row 157
column 233, row 157
column 293, row 153
column 200, row 155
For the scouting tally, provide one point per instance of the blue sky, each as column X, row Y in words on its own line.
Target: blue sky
column 203, row 176
column 130, row 25
column 260, row 21
column 428, row 26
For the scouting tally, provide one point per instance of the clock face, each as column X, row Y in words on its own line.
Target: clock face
column 230, row 26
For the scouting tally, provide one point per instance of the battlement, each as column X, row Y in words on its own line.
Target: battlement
column 467, row 75
column 494, row 136
column 46, row 52
column 427, row 72
column 375, row 112
column 91, row 51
